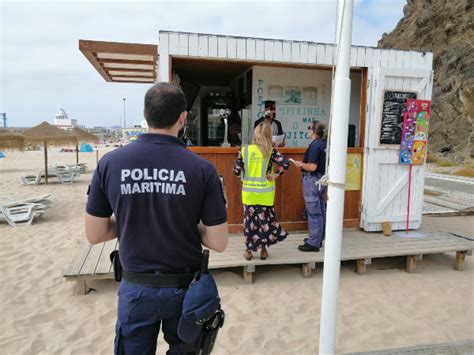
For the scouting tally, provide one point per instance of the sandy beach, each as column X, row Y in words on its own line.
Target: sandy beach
column 278, row 314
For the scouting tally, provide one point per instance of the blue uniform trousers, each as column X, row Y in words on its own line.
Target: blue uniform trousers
column 315, row 208
column 141, row 312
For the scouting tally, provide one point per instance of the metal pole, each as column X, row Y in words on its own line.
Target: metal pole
column 337, row 177
column 124, row 115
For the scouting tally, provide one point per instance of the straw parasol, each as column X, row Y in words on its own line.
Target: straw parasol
column 9, row 140
column 47, row 134
column 83, row 136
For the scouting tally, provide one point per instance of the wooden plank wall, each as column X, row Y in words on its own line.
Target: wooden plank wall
column 279, row 51
column 289, row 203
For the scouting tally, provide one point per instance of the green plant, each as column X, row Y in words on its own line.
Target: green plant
column 469, row 172
column 445, row 163
column 431, row 158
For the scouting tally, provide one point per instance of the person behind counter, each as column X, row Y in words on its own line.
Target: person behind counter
column 270, row 118
column 313, row 167
column 254, row 164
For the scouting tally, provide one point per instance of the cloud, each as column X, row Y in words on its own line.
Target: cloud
column 43, row 69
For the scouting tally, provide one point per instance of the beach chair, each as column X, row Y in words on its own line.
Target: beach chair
column 21, row 213
column 32, row 179
column 77, row 168
column 82, row 167
column 66, row 170
column 65, row 176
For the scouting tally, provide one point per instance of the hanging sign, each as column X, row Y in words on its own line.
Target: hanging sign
column 415, row 132
column 394, row 105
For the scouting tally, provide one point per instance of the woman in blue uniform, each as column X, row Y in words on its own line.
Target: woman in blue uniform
column 313, row 167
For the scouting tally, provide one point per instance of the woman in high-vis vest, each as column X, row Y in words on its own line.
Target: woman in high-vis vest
column 255, row 166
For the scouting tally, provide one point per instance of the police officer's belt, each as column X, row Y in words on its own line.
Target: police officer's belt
column 159, row 280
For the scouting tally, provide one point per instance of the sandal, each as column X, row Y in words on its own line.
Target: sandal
column 263, row 254
column 248, row 255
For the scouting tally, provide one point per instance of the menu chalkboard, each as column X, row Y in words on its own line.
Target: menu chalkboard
column 394, row 106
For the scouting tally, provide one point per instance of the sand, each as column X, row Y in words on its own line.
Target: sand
column 278, row 314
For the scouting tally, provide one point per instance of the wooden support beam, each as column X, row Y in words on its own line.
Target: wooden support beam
column 128, row 70
column 248, row 273
column 137, row 75
column 411, row 264
column 459, row 262
column 361, row 266
column 118, row 47
column 306, row 269
column 81, row 287
column 128, row 61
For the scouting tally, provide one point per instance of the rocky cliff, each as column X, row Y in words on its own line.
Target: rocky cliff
column 444, row 27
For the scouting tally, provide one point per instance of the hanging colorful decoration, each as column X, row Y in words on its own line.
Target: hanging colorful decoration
column 415, row 132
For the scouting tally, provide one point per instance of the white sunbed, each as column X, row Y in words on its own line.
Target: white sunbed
column 76, row 167
column 64, row 176
column 21, row 213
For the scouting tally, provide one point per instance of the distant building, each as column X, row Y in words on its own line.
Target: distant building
column 106, row 135
column 63, row 121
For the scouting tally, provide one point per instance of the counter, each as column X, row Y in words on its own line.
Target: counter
column 289, row 203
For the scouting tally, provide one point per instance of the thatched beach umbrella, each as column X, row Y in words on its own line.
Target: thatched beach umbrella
column 47, row 134
column 83, row 136
column 10, row 140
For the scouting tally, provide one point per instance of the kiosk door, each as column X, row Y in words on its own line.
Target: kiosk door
column 385, row 192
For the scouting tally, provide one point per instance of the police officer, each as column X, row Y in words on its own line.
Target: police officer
column 162, row 202
column 313, row 167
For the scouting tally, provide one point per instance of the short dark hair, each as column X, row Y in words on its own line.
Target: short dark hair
column 269, row 103
column 164, row 102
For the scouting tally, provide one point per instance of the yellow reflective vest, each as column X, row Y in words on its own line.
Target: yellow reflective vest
column 256, row 189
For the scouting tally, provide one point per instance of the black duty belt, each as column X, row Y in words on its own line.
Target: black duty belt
column 159, row 280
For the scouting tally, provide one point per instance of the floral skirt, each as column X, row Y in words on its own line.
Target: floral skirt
column 261, row 228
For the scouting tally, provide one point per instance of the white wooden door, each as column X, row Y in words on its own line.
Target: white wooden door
column 385, row 190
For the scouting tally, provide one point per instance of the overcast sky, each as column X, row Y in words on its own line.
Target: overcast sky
column 42, row 68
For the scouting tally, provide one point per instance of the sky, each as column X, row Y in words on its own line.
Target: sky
column 42, row 69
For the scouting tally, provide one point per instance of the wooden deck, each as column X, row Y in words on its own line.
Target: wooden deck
column 92, row 262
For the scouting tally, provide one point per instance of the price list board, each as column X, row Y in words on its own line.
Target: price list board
column 394, row 106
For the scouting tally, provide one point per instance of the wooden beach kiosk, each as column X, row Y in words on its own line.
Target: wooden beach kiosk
column 238, row 73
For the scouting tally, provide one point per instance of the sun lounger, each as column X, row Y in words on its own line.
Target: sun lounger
column 20, row 213
column 64, row 176
column 32, row 179
column 77, row 167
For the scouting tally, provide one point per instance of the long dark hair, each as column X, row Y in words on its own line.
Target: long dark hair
column 319, row 129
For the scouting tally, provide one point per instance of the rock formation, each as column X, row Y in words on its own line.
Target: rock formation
column 444, row 27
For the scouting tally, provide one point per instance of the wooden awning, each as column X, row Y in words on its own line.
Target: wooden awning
column 122, row 62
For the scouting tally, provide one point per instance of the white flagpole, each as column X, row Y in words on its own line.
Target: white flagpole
column 337, row 177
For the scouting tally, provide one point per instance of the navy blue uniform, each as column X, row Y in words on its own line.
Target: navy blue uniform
column 159, row 192
column 314, row 195
column 316, row 154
